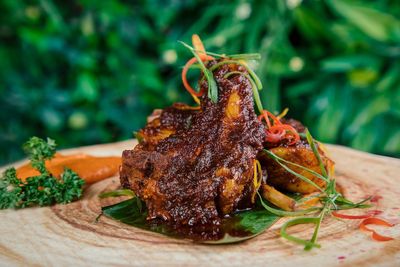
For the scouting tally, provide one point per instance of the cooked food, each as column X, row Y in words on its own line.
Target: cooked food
column 46, row 186
column 301, row 154
column 163, row 123
column 202, row 171
column 217, row 171
column 277, row 198
column 212, row 173
column 194, row 165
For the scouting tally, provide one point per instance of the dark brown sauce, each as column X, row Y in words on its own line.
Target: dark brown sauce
column 230, row 229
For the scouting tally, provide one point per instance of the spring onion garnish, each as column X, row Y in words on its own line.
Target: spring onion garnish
column 241, row 63
column 279, row 160
column 212, row 85
column 201, row 55
column 330, row 199
column 256, row 96
column 315, row 150
column 286, row 213
column 306, row 243
column 250, row 56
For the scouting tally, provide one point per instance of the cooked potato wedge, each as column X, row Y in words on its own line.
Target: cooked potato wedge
column 277, row 198
column 300, row 154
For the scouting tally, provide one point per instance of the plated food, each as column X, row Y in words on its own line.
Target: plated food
column 221, row 171
column 196, row 169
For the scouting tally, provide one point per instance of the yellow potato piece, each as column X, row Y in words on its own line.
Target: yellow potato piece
column 301, row 155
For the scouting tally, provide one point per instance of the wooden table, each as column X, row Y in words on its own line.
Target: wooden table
column 67, row 235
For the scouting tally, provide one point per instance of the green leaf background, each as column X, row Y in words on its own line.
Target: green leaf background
column 86, row 72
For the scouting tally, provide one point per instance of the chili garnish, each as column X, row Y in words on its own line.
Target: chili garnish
column 199, row 47
column 278, row 131
column 356, row 217
column 375, row 235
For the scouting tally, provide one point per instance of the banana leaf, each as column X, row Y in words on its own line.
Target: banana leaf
column 237, row 228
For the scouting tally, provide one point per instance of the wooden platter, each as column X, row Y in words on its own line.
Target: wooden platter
column 68, row 235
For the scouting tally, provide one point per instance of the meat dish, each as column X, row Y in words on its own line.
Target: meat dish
column 196, row 165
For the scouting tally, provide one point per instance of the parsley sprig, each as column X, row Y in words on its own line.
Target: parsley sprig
column 43, row 189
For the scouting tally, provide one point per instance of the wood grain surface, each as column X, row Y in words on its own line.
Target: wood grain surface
column 68, row 235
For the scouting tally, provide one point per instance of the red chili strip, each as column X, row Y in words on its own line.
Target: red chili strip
column 278, row 131
column 375, row 235
column 201, row 52
column 290, row 133
column 356, row 217
column 184, row 79
column 264, row 116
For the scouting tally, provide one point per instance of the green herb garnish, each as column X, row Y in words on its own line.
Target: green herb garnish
column 43, row 189
column 330, row 199
column 305, row 179
column 212, row 85
column 230, row 59
column 249, row 70
column 314, row 148
column 254, row 87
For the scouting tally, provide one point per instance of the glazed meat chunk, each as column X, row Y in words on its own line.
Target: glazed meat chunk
column 163, row 123
column 202, row 171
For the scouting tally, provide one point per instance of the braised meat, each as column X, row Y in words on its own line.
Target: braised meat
column 163, row 123
column 203, row 168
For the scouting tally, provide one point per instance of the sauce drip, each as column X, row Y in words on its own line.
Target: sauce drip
column 90, row 168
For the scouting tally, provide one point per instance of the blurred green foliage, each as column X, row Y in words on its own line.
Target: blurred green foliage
column 85, row 72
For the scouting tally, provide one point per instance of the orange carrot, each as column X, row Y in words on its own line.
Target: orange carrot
column 198, row 46
column 200, row 50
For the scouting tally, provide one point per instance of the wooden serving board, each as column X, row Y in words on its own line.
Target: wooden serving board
column 68, row 235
